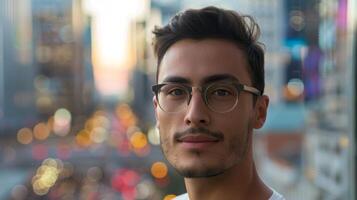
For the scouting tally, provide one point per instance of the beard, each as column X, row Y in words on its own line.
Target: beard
column 235, row 151
column 202, row 173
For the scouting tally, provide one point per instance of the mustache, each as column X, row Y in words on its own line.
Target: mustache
column 196, row 131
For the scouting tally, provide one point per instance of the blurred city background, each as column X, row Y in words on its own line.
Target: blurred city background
column 76, row 117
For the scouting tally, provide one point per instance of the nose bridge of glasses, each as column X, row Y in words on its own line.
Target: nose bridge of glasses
column 198, row 89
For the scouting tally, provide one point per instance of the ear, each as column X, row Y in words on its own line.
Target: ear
column 156, row 106
column 261, row 109
column 154, row 102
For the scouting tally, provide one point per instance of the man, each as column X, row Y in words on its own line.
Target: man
column 208, row 100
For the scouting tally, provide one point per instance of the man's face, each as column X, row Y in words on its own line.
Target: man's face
column 199, row 142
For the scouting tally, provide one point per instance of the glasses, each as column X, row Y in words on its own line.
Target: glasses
column 219, row 97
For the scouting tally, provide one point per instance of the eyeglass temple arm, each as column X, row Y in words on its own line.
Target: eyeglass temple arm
column 251, row 90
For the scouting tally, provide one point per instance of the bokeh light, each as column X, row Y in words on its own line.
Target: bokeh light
column 297, row 20
column 89, row 125
column 24, row 136
column 138, row 140
column 154, row 136
column 46, row 176
column 62, row 122
column 295, row 87
column 41, row 131
column 83, row 138
column 125, row 181
column 98, row 135
column 125, row 115
column 102, row 121
column 44, row 102
column 344, row 142
column 159, row 170
column 169, row 197
column 145, row 190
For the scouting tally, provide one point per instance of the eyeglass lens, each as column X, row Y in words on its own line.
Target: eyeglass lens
column 219, row 97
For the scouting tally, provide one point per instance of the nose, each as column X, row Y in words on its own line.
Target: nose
column 197, row 113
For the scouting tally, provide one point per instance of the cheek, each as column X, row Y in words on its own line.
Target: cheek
column 164, row 120
column 232, row 122
column 168, row 125
column 234, row 125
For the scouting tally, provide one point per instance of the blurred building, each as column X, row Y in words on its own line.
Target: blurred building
column 332, row 112
column 63, row 74
column 43, row 63
column 270, row 15
column 17, row 102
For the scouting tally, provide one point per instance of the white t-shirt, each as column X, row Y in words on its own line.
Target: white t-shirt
column 274, row 196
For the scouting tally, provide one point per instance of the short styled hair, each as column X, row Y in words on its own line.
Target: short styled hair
column 212, row 22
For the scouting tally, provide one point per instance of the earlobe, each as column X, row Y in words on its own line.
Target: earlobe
column 261, row 111
column 154, row 102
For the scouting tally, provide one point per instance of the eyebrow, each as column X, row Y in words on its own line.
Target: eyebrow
column 176, row 79
column 219, row 77
column 209, row 79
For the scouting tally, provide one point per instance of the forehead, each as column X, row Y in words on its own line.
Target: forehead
column 195, row 60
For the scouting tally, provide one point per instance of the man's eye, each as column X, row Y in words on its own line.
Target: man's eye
column 176, row 92
column 221, row 92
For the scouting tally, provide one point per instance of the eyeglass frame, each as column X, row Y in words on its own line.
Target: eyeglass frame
column 203, row 90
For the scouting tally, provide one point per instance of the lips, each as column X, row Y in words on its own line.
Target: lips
column 198, row 139
column 197, row 142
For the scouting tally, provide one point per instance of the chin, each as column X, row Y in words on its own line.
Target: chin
column 200, row 170
column 187, row 173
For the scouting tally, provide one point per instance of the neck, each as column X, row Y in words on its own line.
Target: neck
column 239, row 182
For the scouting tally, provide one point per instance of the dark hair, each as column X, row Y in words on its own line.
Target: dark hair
column 213, row 22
